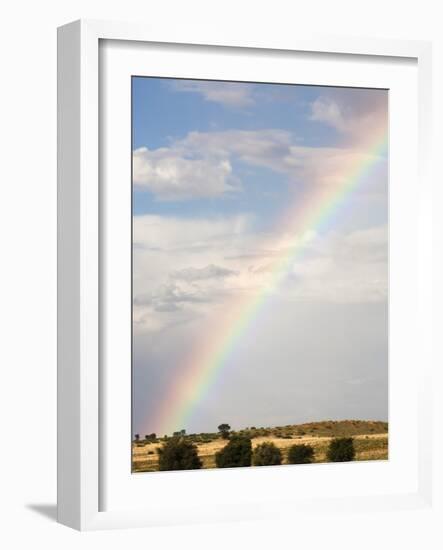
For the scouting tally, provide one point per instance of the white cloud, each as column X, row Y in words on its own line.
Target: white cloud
column 172, row 235
column 355, row 113
column 278, row 151
column 228, row 94
column 324, row 109
column 268, row 147
column 171, row 176
column 200, row 165
column 179, row 264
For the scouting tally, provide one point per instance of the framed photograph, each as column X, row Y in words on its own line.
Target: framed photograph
column 242, row 276
column 259, row 274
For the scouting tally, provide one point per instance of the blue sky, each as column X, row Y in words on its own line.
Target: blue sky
column 163, row 114
column 158, row 117
column 215, row 165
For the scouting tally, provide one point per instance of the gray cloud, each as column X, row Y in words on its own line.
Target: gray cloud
column 169, row 297
column 210, row 271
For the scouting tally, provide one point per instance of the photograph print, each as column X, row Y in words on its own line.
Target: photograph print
column 259, row 274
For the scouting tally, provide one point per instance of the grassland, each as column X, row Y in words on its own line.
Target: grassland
column 370, row 440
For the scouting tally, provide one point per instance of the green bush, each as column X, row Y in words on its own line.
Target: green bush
column 236, row 453
column 300, row 454
column 341, row 449
column 178, row 454
column 266, row 454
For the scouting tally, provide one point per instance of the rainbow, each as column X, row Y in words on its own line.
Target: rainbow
column 305, row 217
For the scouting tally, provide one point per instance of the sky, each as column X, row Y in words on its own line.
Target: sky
column 243, row 312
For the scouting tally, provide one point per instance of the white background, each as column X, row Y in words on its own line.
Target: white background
column 179, row 493
column 28, row 268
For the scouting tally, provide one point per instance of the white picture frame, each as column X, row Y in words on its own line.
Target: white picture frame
column 80, row 390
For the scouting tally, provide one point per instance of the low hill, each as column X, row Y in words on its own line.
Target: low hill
column 370, row 438
column 335, row 428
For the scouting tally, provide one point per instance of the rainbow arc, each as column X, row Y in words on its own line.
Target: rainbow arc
column 205, row 363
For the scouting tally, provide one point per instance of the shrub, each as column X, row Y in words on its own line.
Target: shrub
column 300, row 454
column 266, row 454
column 236, row 453
column 341, row 449
column 178, row 454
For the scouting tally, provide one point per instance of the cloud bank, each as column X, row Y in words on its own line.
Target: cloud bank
column 200, row 164
column 192, row 266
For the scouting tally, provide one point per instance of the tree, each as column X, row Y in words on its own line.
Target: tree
column 137, row 437
column 266, row 454
column 236, row 453
column 178, row 454
column 341, row 449
column 224, row 430
column 300, row 454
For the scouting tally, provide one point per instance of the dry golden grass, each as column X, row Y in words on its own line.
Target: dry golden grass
column 368, row 445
